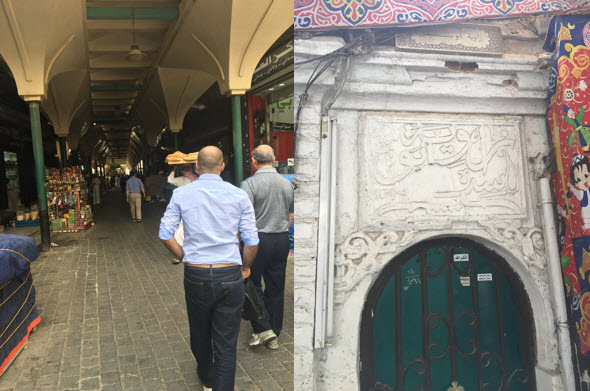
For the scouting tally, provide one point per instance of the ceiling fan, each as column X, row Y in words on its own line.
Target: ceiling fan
column 135, row 54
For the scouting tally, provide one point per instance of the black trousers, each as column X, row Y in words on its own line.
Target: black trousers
column 270, row 264
column 214, row 301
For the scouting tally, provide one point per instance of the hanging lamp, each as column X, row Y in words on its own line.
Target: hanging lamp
column 135, row 54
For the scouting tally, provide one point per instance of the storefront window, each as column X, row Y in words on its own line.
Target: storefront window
column 271, row 110
column 12, row 183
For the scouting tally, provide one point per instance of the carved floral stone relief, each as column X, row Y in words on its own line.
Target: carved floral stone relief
column 362, row 255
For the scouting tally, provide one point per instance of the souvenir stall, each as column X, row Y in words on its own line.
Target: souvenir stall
column 67, row 195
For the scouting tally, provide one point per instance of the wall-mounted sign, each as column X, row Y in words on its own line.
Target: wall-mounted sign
column 484, row 277
column 274, row 62
column 453, row 39
column 461, row 257
column 282, row 114
column 465, row 281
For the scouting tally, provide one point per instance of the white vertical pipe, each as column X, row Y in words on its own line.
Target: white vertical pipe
column 324, row 311
column 333, row 135
column 556, row 279
column 323, row 236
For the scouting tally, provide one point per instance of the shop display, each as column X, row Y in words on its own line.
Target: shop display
column 67, row 198
column 26, row 217
column 12, row 185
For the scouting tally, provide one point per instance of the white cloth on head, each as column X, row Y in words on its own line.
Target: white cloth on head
column 179, row 182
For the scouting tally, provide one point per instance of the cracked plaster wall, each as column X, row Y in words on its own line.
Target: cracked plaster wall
column 423, row 152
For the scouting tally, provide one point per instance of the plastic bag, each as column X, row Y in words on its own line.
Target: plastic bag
column 252, row 309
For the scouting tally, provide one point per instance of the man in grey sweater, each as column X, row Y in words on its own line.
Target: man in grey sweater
column 272, row 197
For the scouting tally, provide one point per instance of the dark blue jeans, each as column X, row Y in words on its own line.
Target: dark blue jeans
column 270, row 264
column 214, row 300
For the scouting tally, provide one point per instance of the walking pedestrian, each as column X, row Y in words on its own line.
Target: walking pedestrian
column 134, row 189
column 272, row 197
column 189, row 175
column 95, row 190
column 213, row 212
column 123, row 183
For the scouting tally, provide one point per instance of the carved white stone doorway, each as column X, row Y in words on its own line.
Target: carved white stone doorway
column 447, row 313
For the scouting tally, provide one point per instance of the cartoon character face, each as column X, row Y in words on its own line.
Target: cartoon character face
column 581, row 177
column 571, row 114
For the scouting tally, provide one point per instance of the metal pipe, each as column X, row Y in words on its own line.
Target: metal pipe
column 63, row 152
column 332, row 232
column 324, row 316
column 327, row 107
column 237, row 133
column 556, row 278
column 175, row 139
column 40, row 174
column 322, row 275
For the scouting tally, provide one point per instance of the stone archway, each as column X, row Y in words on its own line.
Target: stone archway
column 447, row 310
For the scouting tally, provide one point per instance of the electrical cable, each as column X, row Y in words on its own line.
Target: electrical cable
column 354, row 47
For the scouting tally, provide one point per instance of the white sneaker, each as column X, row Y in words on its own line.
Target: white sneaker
column 205, row 388
column 262, row 337
column 273, row 344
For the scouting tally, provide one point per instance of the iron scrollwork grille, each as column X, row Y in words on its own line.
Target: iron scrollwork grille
column 493, row 372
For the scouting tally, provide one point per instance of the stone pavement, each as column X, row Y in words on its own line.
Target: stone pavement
column 113, row 316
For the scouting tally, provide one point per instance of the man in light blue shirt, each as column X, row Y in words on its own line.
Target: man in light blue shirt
column 133, row 188
column 213, row 213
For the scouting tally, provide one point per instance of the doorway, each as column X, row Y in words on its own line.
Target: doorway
column 445, row 314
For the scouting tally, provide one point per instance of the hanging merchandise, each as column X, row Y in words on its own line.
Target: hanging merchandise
column 67, row 198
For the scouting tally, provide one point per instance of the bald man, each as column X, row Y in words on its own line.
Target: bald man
column 213, row 213
column 272, row 197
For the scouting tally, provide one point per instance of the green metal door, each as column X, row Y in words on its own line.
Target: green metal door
column 447, row 314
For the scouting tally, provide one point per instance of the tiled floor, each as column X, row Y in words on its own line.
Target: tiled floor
column 113, row 316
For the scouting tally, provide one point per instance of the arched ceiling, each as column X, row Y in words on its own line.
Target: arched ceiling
column 73, row 57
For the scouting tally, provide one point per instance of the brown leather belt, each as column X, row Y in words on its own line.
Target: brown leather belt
column 214, row 266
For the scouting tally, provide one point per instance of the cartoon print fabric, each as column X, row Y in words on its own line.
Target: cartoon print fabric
column 569, row 120
column 335, row 14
